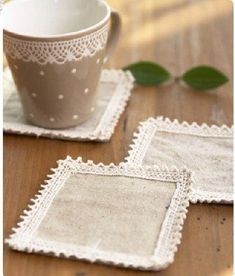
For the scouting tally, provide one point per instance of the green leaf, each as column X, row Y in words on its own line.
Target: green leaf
column 148, row 73
column 204, row 77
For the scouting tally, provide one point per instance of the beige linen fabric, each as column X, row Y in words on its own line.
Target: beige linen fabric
column 117, row 214
column 210, row 158
column 114, row 91
column 208, row 152
column 125, row 216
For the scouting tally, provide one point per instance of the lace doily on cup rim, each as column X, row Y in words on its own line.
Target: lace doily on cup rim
column 57, row 52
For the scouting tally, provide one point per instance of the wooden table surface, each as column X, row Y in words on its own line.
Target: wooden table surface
column 177, row 34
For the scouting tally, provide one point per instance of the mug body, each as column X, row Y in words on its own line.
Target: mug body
column 55, row 55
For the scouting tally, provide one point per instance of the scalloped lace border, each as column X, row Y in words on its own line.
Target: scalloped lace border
column 145, row 132
column 106, row 126
column 169, row 237
column 59, row 52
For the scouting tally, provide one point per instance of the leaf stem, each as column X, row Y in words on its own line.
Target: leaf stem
column 177, row 79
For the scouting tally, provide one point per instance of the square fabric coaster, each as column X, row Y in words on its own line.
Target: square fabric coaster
column 120, row 215
column 114, row 91
column 207, row 151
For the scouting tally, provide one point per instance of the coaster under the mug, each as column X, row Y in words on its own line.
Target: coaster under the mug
column 206, row 150
column 129, row 216
column 114, row 91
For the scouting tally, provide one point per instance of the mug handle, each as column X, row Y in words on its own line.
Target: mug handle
column 114, row 33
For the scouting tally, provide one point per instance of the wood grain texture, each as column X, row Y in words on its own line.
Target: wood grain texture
column 177, row 34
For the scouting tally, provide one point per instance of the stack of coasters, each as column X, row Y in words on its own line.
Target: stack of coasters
column 205, row 150
column 124, row 215
column 114, row 91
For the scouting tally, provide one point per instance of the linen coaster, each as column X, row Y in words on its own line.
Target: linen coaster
column 119, row 215
column 206, row 150
column 114, row 91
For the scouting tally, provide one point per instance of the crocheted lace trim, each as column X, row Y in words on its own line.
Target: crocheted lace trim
column 210, row 197
column 106, row 126
column 147, row 129
column 167, row 125
column 169, row 237
column 56, row 51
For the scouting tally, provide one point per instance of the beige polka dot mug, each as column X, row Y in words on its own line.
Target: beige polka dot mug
column 55, row 50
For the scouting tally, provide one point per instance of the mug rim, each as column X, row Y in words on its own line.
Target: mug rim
column 64, row 35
